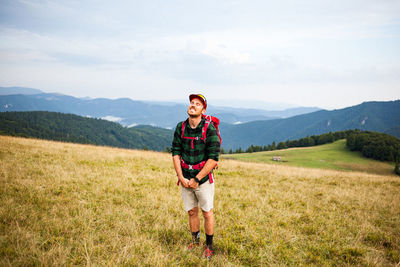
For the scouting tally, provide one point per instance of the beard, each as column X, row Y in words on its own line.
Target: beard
column 193, row 113
column 193, row 116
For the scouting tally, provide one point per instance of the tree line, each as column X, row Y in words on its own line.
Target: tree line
column 377, row 146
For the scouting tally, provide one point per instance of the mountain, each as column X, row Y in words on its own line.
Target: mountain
column 254, row 104
column 77, row 129
column 242, row 115
column 239, row 127
column 124, row 111
column 129, row 112
column 372, row 116
column 395, row 131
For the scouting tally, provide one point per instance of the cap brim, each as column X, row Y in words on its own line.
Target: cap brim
column 198, row 97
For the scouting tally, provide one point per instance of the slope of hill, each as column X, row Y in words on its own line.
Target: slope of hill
column 68, row 204
column 372, row 116
column 242, row 115
column 334, row 156
column 73, row 128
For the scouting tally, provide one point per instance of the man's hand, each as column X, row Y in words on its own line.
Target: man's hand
column 193, row 184
column 185, row 183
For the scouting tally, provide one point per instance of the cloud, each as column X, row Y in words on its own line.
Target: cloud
column 112, row 118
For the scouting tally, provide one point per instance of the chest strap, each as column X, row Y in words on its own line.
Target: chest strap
column 192, row 167
column 199, row 166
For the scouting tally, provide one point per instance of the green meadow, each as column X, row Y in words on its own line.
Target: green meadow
column 333, row 156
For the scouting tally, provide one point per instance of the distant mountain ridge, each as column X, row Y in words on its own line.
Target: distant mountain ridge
column 129, row 112
column 373, row 116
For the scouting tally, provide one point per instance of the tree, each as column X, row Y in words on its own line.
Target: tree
column 281, row 145
column 273, row 146
column 397, row 168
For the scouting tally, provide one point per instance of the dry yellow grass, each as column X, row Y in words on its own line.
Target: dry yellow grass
column 68, row 204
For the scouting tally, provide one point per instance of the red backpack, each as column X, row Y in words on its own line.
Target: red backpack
column 209, row 119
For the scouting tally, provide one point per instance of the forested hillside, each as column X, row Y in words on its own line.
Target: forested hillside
column 73, row 128
column 377, row 146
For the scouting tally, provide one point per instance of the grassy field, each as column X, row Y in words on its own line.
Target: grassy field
column 68, row 204
column 330, row 156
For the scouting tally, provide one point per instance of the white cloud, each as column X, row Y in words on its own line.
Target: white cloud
column 112, row 118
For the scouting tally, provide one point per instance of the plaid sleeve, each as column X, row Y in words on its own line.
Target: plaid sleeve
column 212, row 144
column 177, row 142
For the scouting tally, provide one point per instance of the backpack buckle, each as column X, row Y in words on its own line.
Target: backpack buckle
column 190, row 167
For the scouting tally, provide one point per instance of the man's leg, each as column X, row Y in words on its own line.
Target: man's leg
column 194, row 219
column 194, row 223
column 209, row 222
column 205, row 195
column 190, row 204
column 209, row 227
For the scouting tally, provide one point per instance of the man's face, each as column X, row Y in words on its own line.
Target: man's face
column 196, row 108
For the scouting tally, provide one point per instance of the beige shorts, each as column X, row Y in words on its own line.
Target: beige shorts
column 202, row 196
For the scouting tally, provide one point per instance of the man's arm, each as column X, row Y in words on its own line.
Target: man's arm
column 176, row 155
column 208, row 167
column 178, row 169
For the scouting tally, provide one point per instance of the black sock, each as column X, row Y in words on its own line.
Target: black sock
column 209, row 241
column 196, row 237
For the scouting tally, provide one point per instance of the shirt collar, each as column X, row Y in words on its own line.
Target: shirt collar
column 201, row 124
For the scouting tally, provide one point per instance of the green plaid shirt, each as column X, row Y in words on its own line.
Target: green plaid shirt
column 202, row 151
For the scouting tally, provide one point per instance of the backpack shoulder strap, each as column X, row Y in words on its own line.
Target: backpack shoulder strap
column 204, row 131
column 183, row 128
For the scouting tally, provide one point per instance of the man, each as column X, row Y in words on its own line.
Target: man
column 195, row 154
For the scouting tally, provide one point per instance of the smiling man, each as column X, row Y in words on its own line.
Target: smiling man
column 195, row 152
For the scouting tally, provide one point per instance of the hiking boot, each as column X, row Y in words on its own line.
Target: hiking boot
column 208, row 253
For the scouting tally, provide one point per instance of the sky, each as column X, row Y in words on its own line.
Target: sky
column 320, row 53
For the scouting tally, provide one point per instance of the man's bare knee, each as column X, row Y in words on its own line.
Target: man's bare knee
column 193, row 212
column 208, row 214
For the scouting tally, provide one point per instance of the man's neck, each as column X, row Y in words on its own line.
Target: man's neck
column 194, row 121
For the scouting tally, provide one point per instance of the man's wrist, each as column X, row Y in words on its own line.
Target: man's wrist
column 196, row 180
